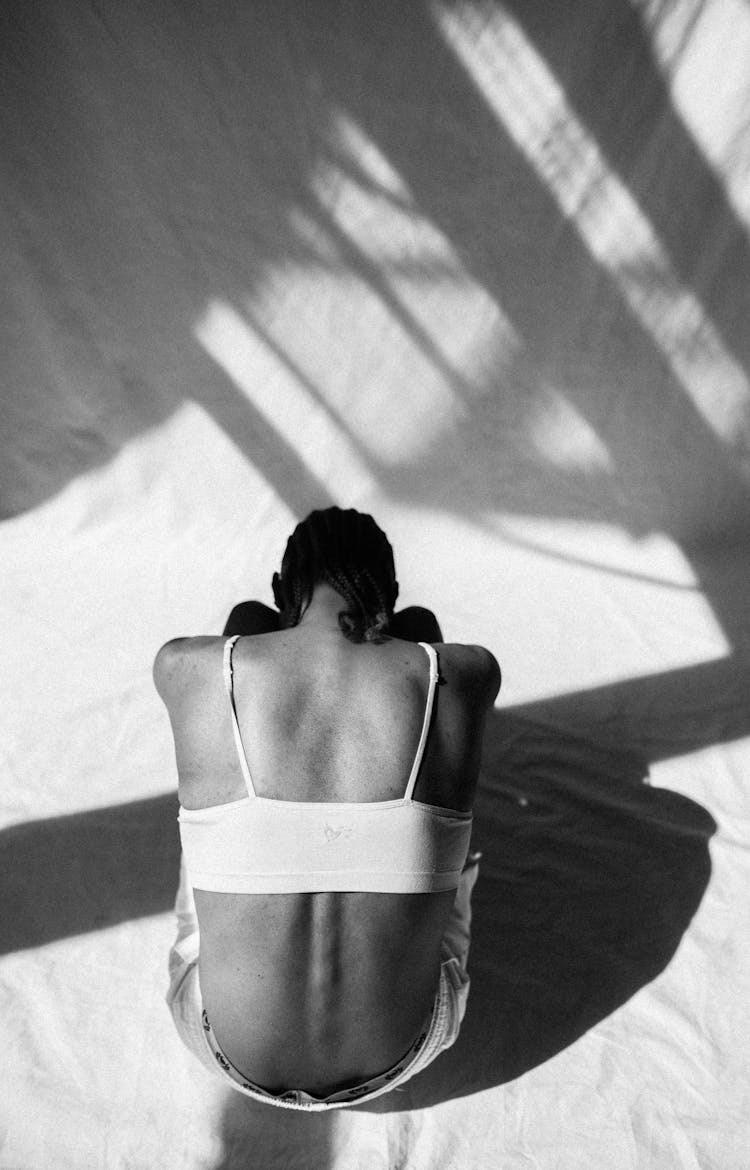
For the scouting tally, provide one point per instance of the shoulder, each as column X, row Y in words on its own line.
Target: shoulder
column 476, row 668
column 178, row 662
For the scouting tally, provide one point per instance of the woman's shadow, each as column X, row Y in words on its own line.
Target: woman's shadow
column 588, row 881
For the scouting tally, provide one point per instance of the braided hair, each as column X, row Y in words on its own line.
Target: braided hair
column 346, row 550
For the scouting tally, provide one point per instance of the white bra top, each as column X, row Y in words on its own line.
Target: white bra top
column 262, row 845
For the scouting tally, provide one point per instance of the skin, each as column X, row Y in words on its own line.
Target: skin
column 321, row 991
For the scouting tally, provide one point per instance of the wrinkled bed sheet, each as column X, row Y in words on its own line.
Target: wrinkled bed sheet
column 482, row 270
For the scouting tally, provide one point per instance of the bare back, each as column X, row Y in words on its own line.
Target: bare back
column 319, row 989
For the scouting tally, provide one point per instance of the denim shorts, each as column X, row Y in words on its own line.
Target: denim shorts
column 440, row 1030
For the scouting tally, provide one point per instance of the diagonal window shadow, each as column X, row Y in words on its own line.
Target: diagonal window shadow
column 680, row 192
column 87, row 871
column 262, row 445
column 415, row 102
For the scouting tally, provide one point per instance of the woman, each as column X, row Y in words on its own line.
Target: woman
column 326, row 783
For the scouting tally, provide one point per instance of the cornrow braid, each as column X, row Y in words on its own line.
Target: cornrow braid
column 348, row 551
column 352, row 620
column 380, row 624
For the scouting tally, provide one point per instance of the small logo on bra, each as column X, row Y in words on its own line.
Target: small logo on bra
column 333, row 834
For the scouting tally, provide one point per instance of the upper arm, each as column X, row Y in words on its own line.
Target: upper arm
column 167, row 664
column 173, row 663
column 490, row 675
column 480, row 669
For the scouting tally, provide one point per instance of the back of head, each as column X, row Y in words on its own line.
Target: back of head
column 348, row 551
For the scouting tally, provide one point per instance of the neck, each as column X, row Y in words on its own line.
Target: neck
column 323, row 611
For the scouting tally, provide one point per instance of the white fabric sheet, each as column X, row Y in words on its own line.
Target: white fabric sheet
column 483, row 271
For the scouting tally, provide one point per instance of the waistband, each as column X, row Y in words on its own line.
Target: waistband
column 298, row 1097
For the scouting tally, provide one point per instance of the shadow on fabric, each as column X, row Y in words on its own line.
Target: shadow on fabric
column 589, row 879
column 255, row 1134
column 67, row 875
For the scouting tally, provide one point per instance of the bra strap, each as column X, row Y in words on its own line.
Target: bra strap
column 432, row 655
column 229, row 686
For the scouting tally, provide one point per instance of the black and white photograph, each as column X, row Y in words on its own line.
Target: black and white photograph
column 375, row 585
